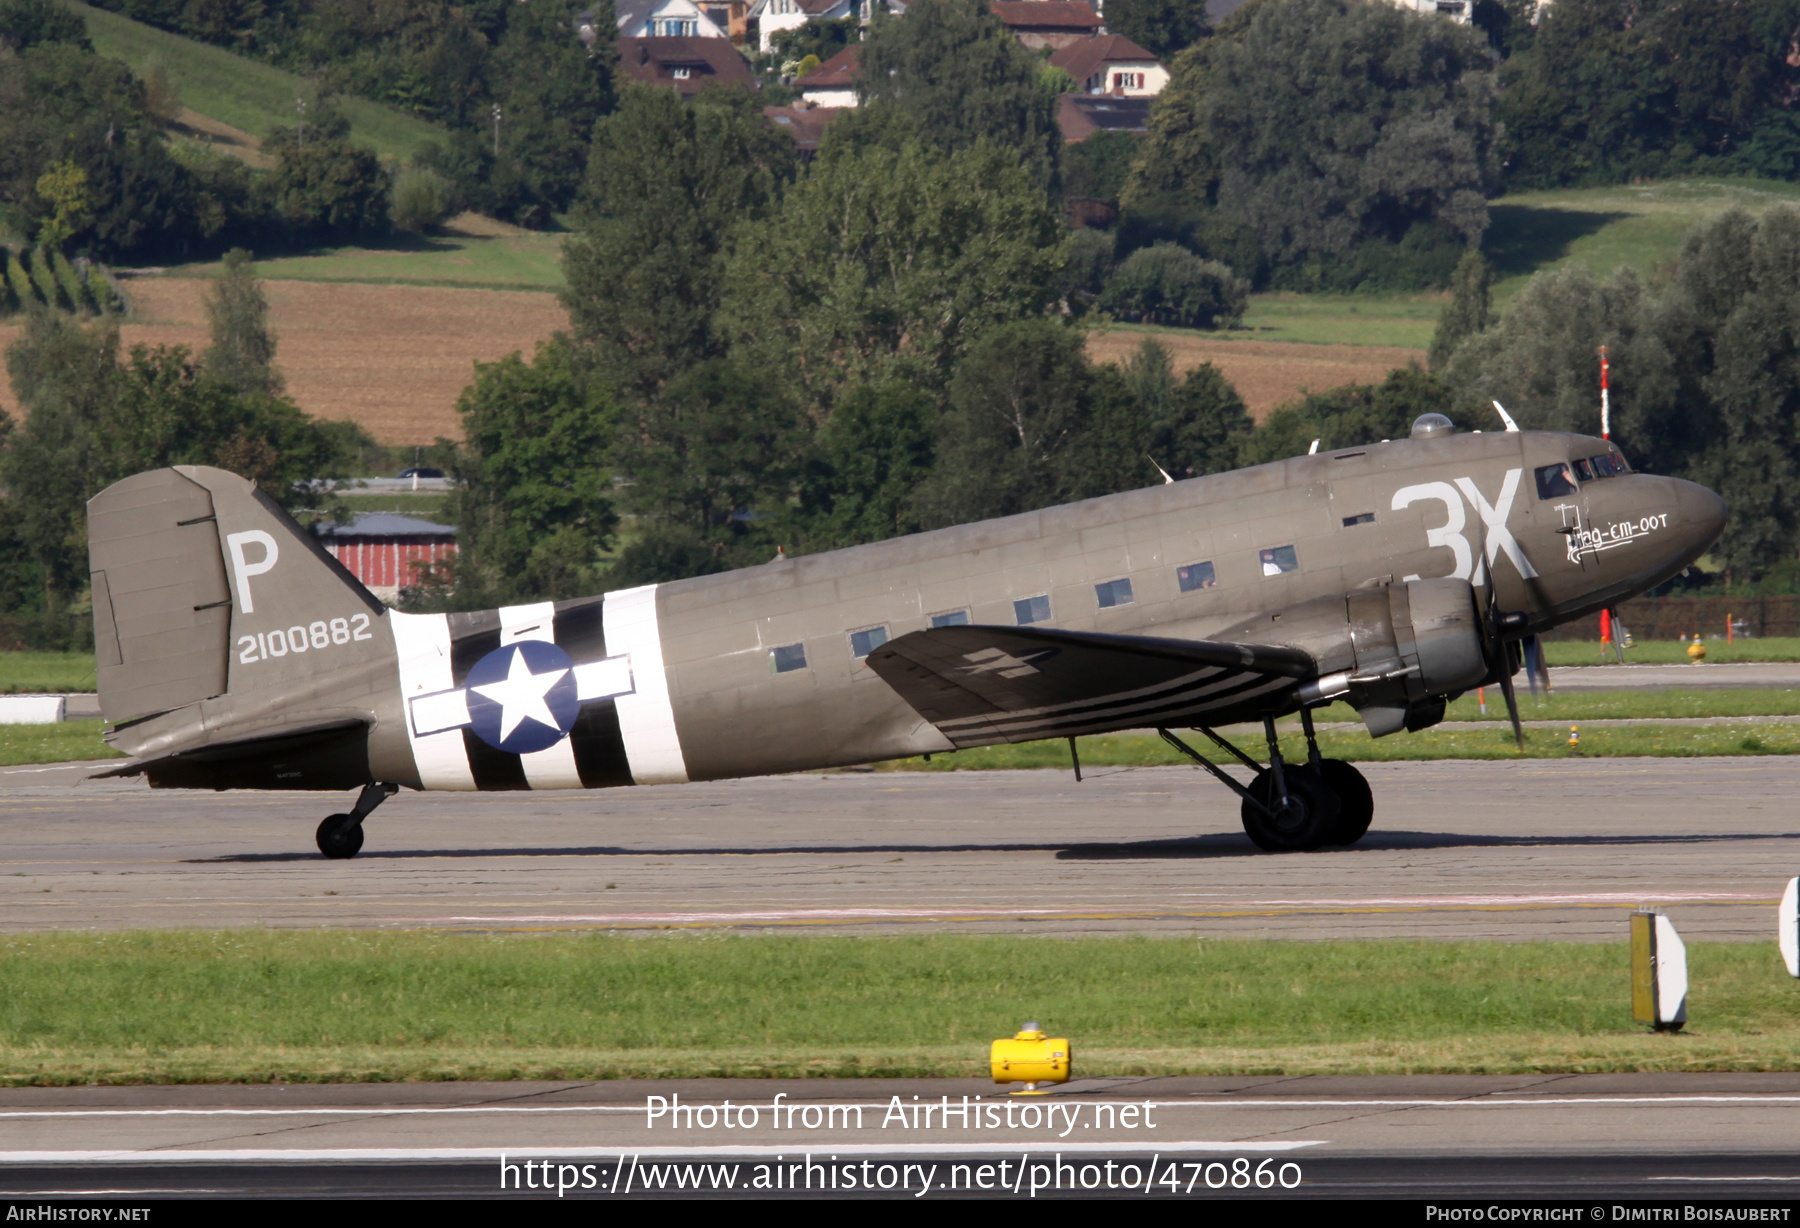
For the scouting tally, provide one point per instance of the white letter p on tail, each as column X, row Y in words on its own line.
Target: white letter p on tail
column 243, row 569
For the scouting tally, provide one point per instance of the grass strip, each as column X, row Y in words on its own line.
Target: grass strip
column 236, row 1006
column 1673, row 652
column 77, row 740
column 1611, row 742
column 26, row 673
column 521, row 262
column 67, row 742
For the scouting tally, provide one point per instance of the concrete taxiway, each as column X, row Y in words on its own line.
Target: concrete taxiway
column 1657, row 1136
column 1528, row 849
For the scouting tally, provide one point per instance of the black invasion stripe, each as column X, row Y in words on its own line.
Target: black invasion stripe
column 1217, row 681
column 600, row 747
column 468, row 648
column 1236, row 706
column 493, row 770
column 580, row 631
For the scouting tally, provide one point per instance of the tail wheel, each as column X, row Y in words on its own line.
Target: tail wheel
column 340, row 836
column 1356, row 802
column 1305, row 822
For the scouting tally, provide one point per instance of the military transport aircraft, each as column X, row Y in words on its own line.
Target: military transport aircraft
column 234, row 652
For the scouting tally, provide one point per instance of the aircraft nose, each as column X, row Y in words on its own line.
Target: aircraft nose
column 1701, row 515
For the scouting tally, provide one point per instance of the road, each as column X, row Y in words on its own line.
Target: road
column 1657, row 1136
column 1529, row 849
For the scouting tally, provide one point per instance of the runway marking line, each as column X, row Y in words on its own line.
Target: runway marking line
column 353, row 1154
column 1232, row 908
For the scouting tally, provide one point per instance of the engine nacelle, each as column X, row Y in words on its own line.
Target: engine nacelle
column 1394, row 652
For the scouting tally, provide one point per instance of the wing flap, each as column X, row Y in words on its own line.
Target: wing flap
column 981, row 684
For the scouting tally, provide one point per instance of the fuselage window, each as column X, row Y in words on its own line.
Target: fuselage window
column 862, row 643
column 788, row 657
column 1583, row 470
column 1278, row 559
column 1195, row 576
column 955, row 618
column 1554, row 481
column 1113, row 593
column 1032, row 609
column 1365, row 518
column 1610, row 465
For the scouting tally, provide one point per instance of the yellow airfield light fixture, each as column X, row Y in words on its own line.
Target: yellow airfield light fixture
column 1031, row 1058
column 1659, row 979
column 1787, row 927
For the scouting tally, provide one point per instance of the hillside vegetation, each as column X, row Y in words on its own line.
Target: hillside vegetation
column 255, row 97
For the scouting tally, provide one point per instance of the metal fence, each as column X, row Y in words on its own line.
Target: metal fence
column 1667, row 618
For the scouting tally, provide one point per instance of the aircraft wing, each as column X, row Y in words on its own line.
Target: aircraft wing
column 980, row 685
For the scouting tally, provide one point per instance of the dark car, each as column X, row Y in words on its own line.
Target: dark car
column 421, row 473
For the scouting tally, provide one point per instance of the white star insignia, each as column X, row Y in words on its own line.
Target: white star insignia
column 521, row 696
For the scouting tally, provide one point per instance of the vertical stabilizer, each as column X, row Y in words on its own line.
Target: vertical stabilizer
column 204, row 587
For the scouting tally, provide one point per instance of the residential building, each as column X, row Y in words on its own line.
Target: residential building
column 1079, row 116
column 805, row 124
column 831, row 84
column 769, row 17
column 688, row 64
column 656, row 19
column 384, row 550
column 1048, row 23
column 1112, row 64
column 1461, row 10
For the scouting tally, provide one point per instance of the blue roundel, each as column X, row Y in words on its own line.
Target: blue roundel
column 523, row 697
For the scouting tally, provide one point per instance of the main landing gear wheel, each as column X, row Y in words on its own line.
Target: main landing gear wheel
column 1304, row 821
column 340, row 836
column 1356, row 802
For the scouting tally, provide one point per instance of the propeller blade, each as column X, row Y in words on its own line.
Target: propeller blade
column 1512, row 708
column 1531, row 664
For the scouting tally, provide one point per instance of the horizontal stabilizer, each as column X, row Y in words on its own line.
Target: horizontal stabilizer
column 979, row 685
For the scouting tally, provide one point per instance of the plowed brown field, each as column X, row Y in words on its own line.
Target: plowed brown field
column 1265, row 373
column 395, row 358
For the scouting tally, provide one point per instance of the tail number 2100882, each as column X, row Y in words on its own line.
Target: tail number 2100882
column 296, row 639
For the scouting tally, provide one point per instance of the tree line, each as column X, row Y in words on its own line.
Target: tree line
column 94, row 414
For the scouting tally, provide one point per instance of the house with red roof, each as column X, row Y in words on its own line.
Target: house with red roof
column 688, row 64
column 1111, row 64
column 833, row 83
column 1048, row 23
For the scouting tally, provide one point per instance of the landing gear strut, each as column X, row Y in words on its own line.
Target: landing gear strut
column 1291, row 808
column 341, row 835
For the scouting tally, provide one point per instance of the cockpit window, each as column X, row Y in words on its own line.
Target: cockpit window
column 1610, row 465
column 1583, row 470
column 1554, row 481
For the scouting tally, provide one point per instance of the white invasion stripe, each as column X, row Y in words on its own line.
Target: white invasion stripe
column 795, row 1151
column 554, row 766
column 646, row 717
column 436, row 713
column 606, row 678
column 422, row 647
column 1606, row 899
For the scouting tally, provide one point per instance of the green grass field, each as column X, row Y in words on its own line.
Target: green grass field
column 68, row 742
column 520, row 261
column 27, row 673
column 1126, row 750
column 1637, row 225
column 1328, row 319
column 242, row 92
column 1675, row 652
column 185, row 1006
